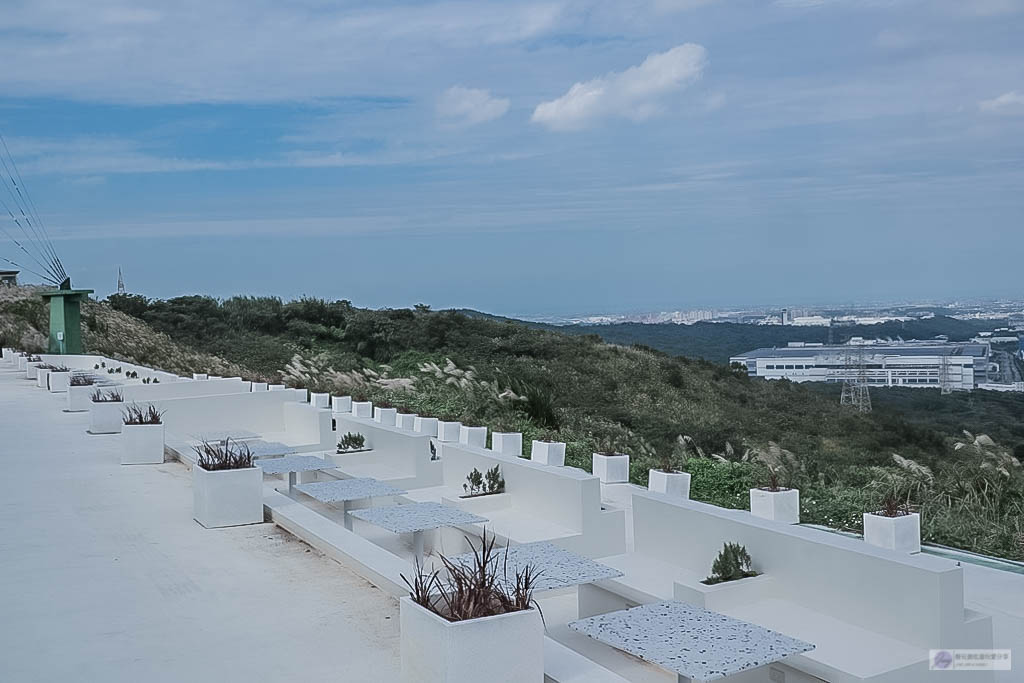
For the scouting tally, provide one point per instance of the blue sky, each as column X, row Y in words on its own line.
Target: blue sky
column 556, row 156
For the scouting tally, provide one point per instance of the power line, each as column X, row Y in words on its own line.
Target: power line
column 29, row 204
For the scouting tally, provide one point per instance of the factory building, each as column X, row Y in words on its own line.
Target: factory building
column 960, row 366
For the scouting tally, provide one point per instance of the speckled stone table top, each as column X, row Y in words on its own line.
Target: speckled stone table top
column 404, row 519
column 348, row 489
column 260, row 448
column 221, row 434
column 555, row 567
column 293, row 463
column 693, row 642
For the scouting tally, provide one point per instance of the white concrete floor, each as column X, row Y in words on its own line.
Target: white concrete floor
column 106, row 577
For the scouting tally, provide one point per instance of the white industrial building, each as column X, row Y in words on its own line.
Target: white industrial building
column 959, row 365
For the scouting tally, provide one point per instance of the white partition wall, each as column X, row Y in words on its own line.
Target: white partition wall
column 398, row 455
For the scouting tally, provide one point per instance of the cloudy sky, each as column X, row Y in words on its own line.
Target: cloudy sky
column 550, row 156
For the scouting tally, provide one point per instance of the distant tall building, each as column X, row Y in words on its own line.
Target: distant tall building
column 120, row 281
column 785, row 316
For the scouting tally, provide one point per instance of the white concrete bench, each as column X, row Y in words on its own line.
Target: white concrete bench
column 564, row 665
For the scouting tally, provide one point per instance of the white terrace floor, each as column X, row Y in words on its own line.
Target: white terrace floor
column 106, row 577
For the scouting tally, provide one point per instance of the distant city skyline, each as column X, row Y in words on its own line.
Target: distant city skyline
column 541, row 158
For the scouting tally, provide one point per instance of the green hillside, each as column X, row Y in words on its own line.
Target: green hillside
column 583, row 391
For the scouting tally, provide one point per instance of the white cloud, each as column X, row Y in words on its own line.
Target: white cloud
column 460, row 106
column 1008, row 103
column 635, row 94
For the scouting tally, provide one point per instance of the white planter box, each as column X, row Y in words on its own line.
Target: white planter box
column 22, row 362
column 341, row 404
column 780, row 506
column 227, row 497
column 385, row 416
column 728, row 594
column 902, row 534
column 41, row 375
column 406, row 421
column 669, row 483
column 448, row 431
column 143, row 444
column 59, row 381
column 507, row 443
column 508, row 648
column 548, row 452
column 425, row 425
column 80, row 398
column 32, row 370
column 611, row 469
column 473, row 436
column 275, row 387
column 106, row 417
column 362, row 409
column 199, row 375
column 259, row 386
column 318, row 400
column 479, row 505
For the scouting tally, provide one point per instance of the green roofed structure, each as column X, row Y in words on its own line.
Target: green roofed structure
column 66, row 318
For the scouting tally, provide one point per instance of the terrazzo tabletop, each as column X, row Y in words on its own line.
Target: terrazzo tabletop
column 294, row 463
column 404, row 519
column 342, row 490
column 696, row 643
column 222, row 434
column 556, row 567
column 260, row 448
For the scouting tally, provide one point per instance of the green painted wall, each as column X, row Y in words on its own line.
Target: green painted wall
column 66, row 320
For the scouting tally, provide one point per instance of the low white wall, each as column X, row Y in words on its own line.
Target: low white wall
column 309, row 424
column 140, row 393
column 564, row 496
column 400, row 449
column 260, row 412
column 917, row 599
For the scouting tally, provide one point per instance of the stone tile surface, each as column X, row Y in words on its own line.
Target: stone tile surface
column 348, row 489
column 555, row 567
column 404, row 519
column 294, row 463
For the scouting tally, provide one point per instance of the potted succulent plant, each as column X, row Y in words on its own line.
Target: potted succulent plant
column 506, row 441
column 361, row 406
column 385, row 414
column 142, row 436
column 425, row 425
column 105, row 412
column 894, row 525
column 775, row 501
column 609, row 465
column 341, row 404
column 351, row 442
column 473, row 436
column 227, row 488
column 547, row 451
column 665, row 478
column 732, row 564
column 479, row 608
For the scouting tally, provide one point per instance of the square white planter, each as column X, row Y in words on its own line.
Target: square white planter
column 32, row 370
column 385, row 416
column 227, row 497
column 318, row 400
column 41, row 375
column 448, row 431
column 276, row 387
column 341, row 404
column 142, row 444
column 22, row 362
column 473, row 436
column 780, row 506
column 259, row 386
column 80, row 398
column 548, row 452
column 611, row 469
column 425, row 425
column 507, row 443
column 669, row 483
column 479, row 505
column 200, row 375
column 405, row 421
column 508, row 648
column 106, row 417
column 902, row 534
column 362, row 409
column 59, row 382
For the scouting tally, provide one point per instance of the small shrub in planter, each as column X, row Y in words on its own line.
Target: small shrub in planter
column 80, row 380
column 775, row 501
column 227, row 487
column 142, row 436
column 351, row 442
column 478, row 484
column 105, row 412
column 732, row 564
column 667, row 479
column 447, row 623
column 894, row 526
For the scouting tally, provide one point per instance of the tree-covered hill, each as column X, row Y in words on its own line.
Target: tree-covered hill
column 584, row 391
